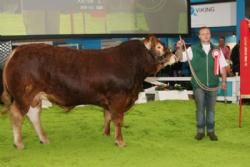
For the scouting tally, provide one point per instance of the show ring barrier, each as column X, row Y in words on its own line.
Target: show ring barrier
column 230, row 95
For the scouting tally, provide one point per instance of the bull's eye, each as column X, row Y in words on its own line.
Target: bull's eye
column 159, row 47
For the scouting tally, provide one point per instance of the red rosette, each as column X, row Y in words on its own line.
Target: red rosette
column 216, row 54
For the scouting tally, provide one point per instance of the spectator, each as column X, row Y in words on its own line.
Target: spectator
column 225, row 49
column 235, row 58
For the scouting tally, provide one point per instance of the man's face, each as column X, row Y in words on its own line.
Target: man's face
column 221, row 42
column 205, row 35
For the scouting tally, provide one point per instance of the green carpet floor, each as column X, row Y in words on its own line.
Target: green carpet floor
column 158, row 134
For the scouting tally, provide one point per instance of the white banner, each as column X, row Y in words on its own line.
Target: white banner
column 213, row 15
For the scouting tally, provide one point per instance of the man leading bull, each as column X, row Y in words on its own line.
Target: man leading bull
column 206, row 61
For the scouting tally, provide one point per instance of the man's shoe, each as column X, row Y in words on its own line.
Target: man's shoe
column 212, row 136
column 199, row 136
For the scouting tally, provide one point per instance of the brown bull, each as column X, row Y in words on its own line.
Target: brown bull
column 110, row 78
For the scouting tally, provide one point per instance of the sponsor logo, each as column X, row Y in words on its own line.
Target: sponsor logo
column 195, row 11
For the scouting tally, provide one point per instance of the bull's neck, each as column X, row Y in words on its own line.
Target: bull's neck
column 151, row 64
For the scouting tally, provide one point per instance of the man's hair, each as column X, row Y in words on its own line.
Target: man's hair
column 222, row 37
column 202, row 28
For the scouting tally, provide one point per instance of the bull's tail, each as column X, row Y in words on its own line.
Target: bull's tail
column 7, row 100
column 6, row 97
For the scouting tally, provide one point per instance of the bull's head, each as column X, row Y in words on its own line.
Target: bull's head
column 162, row 54
column 154, row 46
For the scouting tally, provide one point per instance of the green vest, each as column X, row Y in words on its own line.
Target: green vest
column 203, row 66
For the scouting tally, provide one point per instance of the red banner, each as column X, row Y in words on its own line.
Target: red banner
column 244, row 58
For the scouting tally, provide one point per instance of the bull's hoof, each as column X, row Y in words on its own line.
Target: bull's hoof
column 44, row 141
column 106, row 133
column 19, row 146
column 120, row 144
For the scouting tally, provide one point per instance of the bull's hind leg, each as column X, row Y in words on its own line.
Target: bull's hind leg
column 34, row 117
column 107, row 121
column 17, row 120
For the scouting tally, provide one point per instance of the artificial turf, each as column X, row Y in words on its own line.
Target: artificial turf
column 158, row 134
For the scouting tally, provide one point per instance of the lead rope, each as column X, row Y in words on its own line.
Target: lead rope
column 203, row 86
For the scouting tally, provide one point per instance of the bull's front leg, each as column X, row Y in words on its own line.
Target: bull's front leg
column 107, row 121
column 118, row 121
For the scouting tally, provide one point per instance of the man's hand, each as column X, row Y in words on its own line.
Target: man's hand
column 180, row 44
column 179, row 49
column 224, row 85
column 223, row 79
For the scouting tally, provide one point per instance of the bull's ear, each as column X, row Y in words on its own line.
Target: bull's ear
column 150, row 41
column 147, row 44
